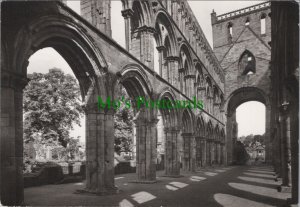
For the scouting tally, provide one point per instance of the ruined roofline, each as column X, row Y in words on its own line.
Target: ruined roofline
column 220, row 74
column 243, row 11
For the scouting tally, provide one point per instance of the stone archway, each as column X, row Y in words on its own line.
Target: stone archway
column 189, row 151
column 171, row 130
column 137, row 85
column 88, row 66
column 237, row 98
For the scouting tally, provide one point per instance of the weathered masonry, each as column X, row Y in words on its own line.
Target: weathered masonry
column 241, row 43
column 188, row 68
column 244, row 65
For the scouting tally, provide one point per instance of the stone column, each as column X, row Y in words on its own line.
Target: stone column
column 193, row 153
column 286, row 149
column 173, row 69
column 268, row 149
column 172, row 165
column 146, row 47
column 188, row 151
column 294, row 131
column 160, row 50
column 99, row 152
column 208, row 157
column 146, row 132
column 219, row 152
column 198, row 153
column 204, row 159
column 127, row 14
column 98, row 13
column 12, row 138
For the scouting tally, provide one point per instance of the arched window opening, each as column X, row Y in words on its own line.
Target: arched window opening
column 156, row 58
column 185, row 66
column 186, row 91
column 229, row 31
column 263, row 24
column 247, row 63
column 137, row 17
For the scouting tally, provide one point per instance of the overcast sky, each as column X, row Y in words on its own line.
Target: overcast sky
column 250, row 116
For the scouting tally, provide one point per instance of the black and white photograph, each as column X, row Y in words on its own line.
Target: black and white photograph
column 155, row 103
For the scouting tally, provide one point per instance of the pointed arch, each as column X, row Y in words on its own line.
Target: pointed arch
column 247, row 63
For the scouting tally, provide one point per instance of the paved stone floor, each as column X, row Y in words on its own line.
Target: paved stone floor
column 233, row 186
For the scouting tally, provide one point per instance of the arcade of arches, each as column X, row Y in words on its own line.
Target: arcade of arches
column 188, row 67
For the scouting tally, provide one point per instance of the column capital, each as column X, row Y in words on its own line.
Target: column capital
column 145, row 121
column 181, row 70
column 146, row 28
column 13, row 80
column 201, row 88
column 187, row 134
column 189, row 76
column 172, row 129
column 127, row 13
column 172, row 58
column 160, row 48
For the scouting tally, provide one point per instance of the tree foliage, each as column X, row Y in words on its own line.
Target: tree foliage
column 51, row 106
column 123, row 120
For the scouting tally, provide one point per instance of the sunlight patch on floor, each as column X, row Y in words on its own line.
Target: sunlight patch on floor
column 169, row 187
column 210, row 173
column 258, row 180
column 118, row 178
column 263, row 191
column 125, row 203
column 234, row 201
column 142, row 197
column 220, row 170
column 179, row 184
column 261, row 171
column 259, row 175
column 197, row 178
column 78, row 184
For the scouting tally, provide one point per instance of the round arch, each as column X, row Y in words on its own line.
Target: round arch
column 170, row 116
column 165, row 30
column 243, row 95
column 187, row 121
column 135, row 81
column 70, row 41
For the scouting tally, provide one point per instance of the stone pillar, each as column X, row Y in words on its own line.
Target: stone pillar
column 204, row 157
column 285, row 149
column 173, row 69
column 160, row 50
column 127, row 14
column 189, row 152
column 229, row 138
column 98, row 14
column 12, row 138
column 146, row 132
column 219, row 153
column 172, row 165
column 198, row 153
column 294, row 132
column 208, row 153
column 147, row 52
column 99, row 152
column 193, row 154
column 268, row 149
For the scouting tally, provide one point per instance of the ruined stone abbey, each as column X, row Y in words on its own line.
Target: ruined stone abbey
column 239, row 68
